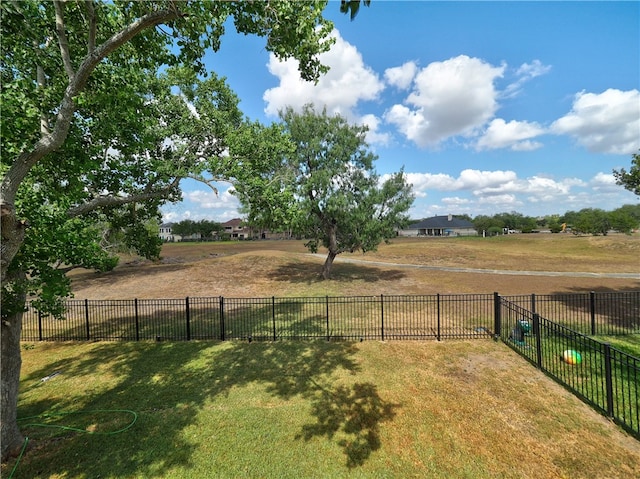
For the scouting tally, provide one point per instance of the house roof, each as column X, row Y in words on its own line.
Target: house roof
column 235, row 222
column 441, row 222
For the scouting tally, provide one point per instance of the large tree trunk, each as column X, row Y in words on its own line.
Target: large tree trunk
column 11, row 438
column 328, row 263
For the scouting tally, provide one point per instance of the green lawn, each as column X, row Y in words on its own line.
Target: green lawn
column 308, row 409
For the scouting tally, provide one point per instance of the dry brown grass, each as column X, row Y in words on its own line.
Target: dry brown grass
column 470, row 405
column 284, row 268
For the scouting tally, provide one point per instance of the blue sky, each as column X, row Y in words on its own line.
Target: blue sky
column 489, row 106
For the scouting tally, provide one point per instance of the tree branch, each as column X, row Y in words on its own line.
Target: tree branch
column 62, row 39
column 91, row 20
column 50, row 142
column 102, row 201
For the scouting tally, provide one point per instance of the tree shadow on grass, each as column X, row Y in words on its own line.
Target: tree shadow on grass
column 353, row 412
column 168, row 385
column 311, row 272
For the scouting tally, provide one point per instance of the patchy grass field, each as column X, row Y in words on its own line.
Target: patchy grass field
column 308, row 409
column 282, row 268
column 316, row 409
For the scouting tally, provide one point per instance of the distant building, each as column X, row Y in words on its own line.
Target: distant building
column 440, row 226
column 232, row 229
column 236, row 229
column 165, row 233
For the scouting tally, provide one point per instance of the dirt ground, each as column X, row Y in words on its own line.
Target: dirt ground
column 285, row 268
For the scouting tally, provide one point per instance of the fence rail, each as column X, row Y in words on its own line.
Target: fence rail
column 591, row 313
column 438, row 316
column 331, row 318
column 603, row 376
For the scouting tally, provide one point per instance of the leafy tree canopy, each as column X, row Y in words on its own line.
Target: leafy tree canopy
column 105, row 107
column 630, row 179
column 326, row 188
column 204, row 228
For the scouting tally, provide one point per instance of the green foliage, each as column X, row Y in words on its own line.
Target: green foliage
column 586, row 221
column 203, row 228
column 596, row 221
column 630, row 179
column 352, row 7
column 133, row 133
column 324, row 187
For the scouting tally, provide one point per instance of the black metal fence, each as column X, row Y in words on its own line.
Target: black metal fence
column 438, row 316
column 331, row 318
column 603, row 376
column 590, row 313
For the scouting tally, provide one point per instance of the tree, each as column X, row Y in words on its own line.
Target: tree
column 204, row 228
column 630, row 179
column 623, row 219
column 593, row 221
column 82, row 144
column 488, row 224
column 329, row 188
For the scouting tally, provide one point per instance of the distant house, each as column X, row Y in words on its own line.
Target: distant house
column 236, row 229
column 440, row 226
column 232, row 229
column 165, row 233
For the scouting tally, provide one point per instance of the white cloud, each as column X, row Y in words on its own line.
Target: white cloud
column 493, row 187
column 514, row 135
column 526, row 145
column 208, row 199
column 607, row 122
column 525, row 72
column 402, row 76
column 484, row 180
column 449, row 98
column 504, row 202
column 348, row 82
column 604, row 182
column 455, row 201
column 532, row 70
column 374, row 136
column 471, row 180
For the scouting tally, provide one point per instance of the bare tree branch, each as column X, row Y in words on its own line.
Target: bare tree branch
column 62, row 39
column 91, row 20
column 102, row 201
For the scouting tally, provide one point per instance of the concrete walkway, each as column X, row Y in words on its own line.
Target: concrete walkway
column 573, row 274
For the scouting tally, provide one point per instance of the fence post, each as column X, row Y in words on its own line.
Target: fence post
column 382, row 316
column 273, row 316
column 608, row 378
column 592, row 307
column 497, row 323
column 86, row 317
column 536, row 333
column 221, row 318
column 533, row 302
column 326, row 302
column 135, row 305
column 39, row 325
column 438, row 313
column 188, row 317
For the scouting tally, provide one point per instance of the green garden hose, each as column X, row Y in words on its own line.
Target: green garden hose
column 68, row 428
